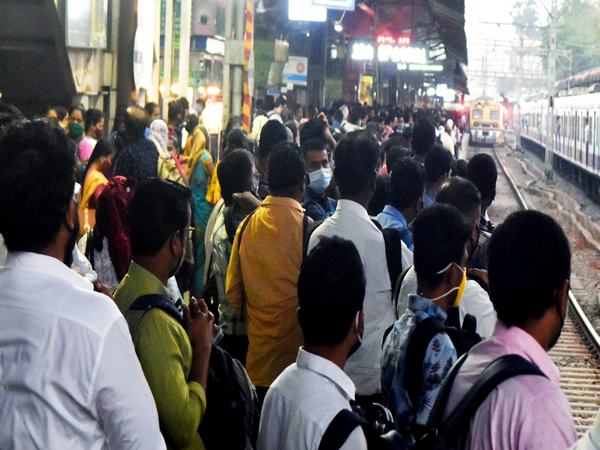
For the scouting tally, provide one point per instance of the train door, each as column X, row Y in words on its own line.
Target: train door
column 576, row 155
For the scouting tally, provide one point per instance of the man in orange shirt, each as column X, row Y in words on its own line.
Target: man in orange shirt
column 263, row 270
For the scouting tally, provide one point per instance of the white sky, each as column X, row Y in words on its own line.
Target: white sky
column 478, row 11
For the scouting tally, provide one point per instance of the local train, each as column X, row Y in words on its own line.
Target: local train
column 576, row 127
column 486, row 122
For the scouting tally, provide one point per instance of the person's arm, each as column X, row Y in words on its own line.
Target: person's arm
column 200, row 328
column 121, row 399
column 235, row 283
column 165, row 351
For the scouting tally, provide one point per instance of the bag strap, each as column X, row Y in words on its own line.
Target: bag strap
column 307, row 234
column 499, row 370
column 244, row 225
column 393, row 251
column 494, row 374
column 145, row 303
column 339, row 429
column 230, row 227
column 397, row 289
column 418, row 341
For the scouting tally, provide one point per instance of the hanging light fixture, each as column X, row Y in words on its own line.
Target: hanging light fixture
column 260, row 7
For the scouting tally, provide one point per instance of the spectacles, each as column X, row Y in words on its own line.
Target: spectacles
column 187, row 232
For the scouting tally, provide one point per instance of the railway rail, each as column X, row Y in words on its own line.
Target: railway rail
column 577, row 352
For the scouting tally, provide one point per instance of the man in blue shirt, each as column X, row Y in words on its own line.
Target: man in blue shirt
column 406, row 198
column 316, row 203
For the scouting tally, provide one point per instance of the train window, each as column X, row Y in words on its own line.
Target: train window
column 477, row 114
column 494, row 115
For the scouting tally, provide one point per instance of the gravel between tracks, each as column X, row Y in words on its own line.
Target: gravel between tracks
column 562, row 200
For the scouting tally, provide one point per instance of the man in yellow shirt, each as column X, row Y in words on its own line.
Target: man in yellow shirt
column 263, row 270
column 175, row 362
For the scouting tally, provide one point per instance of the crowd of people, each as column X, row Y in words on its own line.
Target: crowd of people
column 282, row 276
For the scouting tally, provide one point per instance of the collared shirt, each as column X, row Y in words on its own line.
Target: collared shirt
column 165, row 353
column 591, row 439
column 351, row 221
column 263, row 278
column 317, row 206
column 70, row 376
column 390, row 217
column 428, row 198
column 474, row 301
column 138, row 160
column 439, row 358
column 523, row 412
column 301, row 404
column 232, row 320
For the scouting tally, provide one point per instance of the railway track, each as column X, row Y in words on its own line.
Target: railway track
column 578, row 350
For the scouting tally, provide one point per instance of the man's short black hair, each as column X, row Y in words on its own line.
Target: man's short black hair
column 235, row 173
column 158, row 209
column 281, row 101
column 423, row 137
column 395, row 154
column 331, row 291
column 529, row 260
column 77, row 107
column 381, row 196
column 338, row 115
column 356, row 159
column 314, row 145
column 37, row 179
column 273, row 132
column 175, row 111
column 460, row 193
column 313, row 129
column 407, row 183
column 439, row 233
column 286, row 169
column 92, row 117
column 482, row 171
column 237, row 139
column 150, row 107
column 438, row 162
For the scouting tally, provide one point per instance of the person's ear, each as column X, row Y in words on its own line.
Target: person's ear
column 175, row 242
column 71, row 214
column 299, row 318
column 563, row 298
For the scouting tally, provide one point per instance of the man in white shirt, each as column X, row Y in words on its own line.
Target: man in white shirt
column 356, row 160
column 462, row 194
column 70, row 376
column 305, row 398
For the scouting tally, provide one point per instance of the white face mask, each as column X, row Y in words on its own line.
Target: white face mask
column 320, row 179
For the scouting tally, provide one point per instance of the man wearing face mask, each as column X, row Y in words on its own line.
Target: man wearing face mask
column 529, row 271
column 317, row 205
column 305, row 398
column 462, row 194
column 440, row 235
column 175, row 360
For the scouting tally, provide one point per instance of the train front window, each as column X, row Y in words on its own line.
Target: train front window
column 494, row 115
column 477, row 114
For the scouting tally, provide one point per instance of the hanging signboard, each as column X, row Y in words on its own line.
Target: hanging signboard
column 295, row 71
column 345, row 5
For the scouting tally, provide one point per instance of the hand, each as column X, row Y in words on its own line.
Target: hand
column 99, row 286
column 200, row 323
column 246, row 201
column 482, row 274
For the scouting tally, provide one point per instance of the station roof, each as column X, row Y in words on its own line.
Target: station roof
column 34, row 64
column 438, row 23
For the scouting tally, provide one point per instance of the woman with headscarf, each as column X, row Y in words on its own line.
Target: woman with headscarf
column 95, row 179
column 168, row 167
column 201, row 170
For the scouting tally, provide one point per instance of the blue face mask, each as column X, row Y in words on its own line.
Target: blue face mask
column 320, row 179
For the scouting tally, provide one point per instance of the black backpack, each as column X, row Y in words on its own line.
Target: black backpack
column 232, row 415
column 377, row 426
column 444, row 434
column 438, row 434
